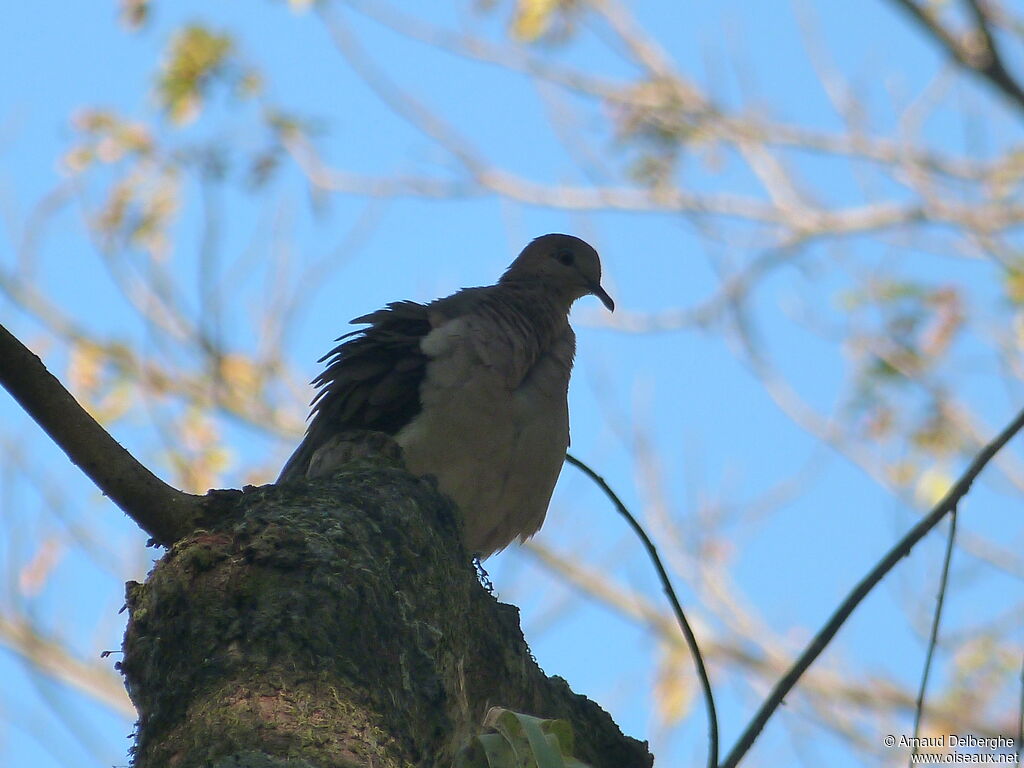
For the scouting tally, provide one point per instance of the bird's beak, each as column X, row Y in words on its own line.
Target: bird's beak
column 602, row 294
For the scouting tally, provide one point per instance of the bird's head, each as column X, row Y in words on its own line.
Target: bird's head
column 564, row 263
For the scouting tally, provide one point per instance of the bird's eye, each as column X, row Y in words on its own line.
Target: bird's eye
column 565, row 257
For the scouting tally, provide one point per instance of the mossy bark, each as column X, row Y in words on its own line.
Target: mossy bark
column 335, row 622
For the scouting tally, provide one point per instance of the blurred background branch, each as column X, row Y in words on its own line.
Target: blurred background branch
column 812, row 223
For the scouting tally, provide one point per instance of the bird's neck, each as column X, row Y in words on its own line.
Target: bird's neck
column 545, row 310
column 533, row 318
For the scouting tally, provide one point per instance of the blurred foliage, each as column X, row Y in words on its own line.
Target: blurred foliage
column 102, row 389
column 135, row 13
column 673, row 692
column 550, row 20
column 143, row 197
column 910, row 338
column 660, row 124
column 901, row 335
column 199, row 457
column 982, row 669
column 533, row 18
column 196, row 59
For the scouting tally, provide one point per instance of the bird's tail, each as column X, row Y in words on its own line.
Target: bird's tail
column 296, row 466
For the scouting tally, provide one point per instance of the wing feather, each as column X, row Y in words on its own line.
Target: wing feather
column 372, row 380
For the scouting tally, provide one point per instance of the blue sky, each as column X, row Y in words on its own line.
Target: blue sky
column 715, row 429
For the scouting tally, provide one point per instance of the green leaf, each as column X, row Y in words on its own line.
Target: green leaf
column 521, row 741
column 528, row 740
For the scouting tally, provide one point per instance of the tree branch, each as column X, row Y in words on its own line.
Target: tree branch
column 165, row 513
column 677, row 609
column 52, row 658
column 983, row 59
column 846, row 608
column 335, row 622
column 933, row 637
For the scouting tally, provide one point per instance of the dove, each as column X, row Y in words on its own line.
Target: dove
column 472, row 387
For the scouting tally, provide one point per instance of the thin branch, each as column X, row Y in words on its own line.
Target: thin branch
column 926, row 19
column 765, row 660
column 643, row 48
column 684, row 625
column 475, row 48
column 994, row 67
column 933, row 637
column 621, row 93
column 796, row 226
column 1020, row 716
column 821, row 640
column 824, row 429
column 396, row 98
column 54, row 660
column 251, row 412
column 163, row 512
column 986, row 63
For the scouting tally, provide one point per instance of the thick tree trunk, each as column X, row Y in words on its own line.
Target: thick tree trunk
column 334, row 623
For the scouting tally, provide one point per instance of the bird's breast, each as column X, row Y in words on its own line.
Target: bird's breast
column 496, row 449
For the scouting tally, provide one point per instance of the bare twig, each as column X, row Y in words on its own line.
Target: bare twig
column 926, row 19
column 251, row 412
column 476, row 176
column 163, row 512
column 762, row 657
column 986, row 63
column 800, row 225
column 821, row 640
column 991, row 60
column 512, row 58
column 684, row 625
column 1020, row 716
column 933, row 637
column 825, row 428
column 53, row 658
column 732, row 128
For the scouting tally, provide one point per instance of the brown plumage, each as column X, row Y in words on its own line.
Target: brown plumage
column 472, row 387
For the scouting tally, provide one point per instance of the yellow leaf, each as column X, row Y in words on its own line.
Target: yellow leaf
column 84, row 368
column 241, row 375
column 673, row 695
column 932, row 485
column 533, row 18
column 1014, row 285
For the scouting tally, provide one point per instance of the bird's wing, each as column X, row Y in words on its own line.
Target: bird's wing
column 372, row 380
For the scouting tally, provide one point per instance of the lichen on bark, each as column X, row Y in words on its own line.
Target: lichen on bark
column 334, row 622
